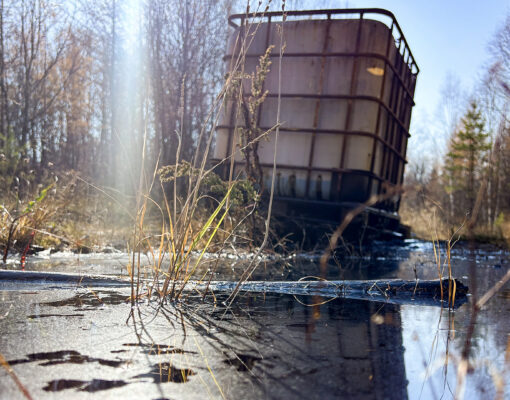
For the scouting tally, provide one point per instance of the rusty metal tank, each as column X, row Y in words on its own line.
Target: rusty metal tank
column 346, row 94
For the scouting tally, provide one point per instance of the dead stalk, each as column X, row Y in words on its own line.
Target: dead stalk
column 254, row 263
column 14, row 377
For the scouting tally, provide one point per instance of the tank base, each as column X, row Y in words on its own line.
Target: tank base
column 309, row 223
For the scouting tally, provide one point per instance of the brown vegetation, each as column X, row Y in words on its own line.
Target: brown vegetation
column 475, row 171
column 93, row 91
column 67, row 214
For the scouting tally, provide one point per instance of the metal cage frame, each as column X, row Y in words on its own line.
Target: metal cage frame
column 398, row 112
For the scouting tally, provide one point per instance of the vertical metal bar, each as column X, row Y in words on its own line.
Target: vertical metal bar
column 398, row 102
column 230, row 145
column 407, row 59
column 352, row 91
column 379, row 110
column 394, row 132
column 317, row 106
column 401, row 63
column 403, row 108
column 386, row 130
column 390, row 125
column 233, row 110
column 404, row 153
column 268, row 32
column 395, row 107
column 402, row 112
column 401, row 178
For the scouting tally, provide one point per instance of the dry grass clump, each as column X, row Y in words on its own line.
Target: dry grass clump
column 429, row 220
column 66, row 214
column 419, row 219
column 190, row 225
column 20, row 221
column 505, row 230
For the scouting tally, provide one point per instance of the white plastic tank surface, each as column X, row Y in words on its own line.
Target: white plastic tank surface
column 304, row 80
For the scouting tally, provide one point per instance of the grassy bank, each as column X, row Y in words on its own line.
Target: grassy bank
column 65, row 215
column 429, row 221
column 71, row 214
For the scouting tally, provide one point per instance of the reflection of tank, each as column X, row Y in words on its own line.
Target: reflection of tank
column 315, row 349
column 347, row 87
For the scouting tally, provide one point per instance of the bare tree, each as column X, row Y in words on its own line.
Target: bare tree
column 187, row 40
column 30, row 79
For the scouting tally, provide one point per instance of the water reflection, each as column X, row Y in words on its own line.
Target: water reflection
column 309, row 347
column 267, row 345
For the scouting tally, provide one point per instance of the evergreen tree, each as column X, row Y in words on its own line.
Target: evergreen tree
column 466, row 161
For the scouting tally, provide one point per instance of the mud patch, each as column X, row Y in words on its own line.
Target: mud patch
column 65, row 357
column 243, row 362
column 90, row 300
column 34, row 316
column 156, row 349
column 299, row 326
column 92, row 386
column 166, row 372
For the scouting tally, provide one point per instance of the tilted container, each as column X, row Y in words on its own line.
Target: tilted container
column 346, row 94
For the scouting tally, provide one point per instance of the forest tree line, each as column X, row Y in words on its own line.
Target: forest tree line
column 471, row 181
column 84, row 84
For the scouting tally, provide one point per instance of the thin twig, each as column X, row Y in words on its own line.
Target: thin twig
column 14, row 377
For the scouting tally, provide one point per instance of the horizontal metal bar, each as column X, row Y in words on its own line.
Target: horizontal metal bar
column 329, row 13
column 340, row 97
column 335, row 204
column 347, row 54
column 319, row 169
column 331, row 132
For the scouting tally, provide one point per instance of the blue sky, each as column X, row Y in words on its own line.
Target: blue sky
column 446, row 37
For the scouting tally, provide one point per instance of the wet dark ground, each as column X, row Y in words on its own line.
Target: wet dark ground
column 75, row 342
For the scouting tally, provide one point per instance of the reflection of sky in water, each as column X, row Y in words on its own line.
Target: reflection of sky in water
column 332, row 340
column 425, row 339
